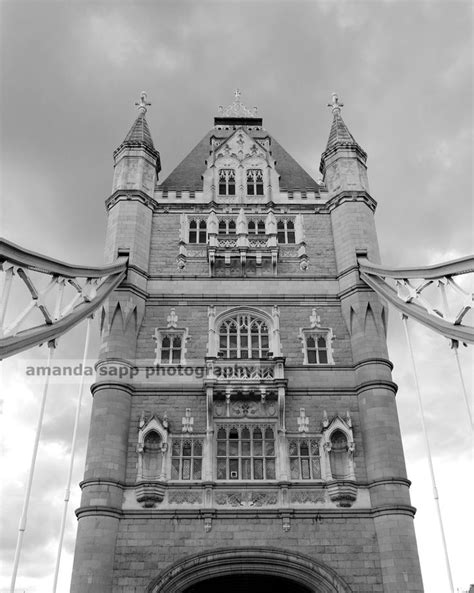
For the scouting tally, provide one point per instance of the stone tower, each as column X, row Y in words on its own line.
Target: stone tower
column 244, row 433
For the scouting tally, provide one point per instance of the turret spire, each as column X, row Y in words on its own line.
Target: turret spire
column 339, row 131
column 139, row 133
column 343, row 162
column 137, row 162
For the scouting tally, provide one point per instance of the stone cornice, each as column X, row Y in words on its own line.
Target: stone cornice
column 136, row 145
column 115, row 385
column 377, row 384
column 135, row 195
column 294, row 513
column 351, row 196
column 198, row 485
column 369, row 361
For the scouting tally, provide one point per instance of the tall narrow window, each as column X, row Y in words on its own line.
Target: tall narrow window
column 245, row 453
column 171, row 349
column 254, row 182
column 286, row 231
column 304, row 459
column 197, row 231
column 317, row 349
column 186, row 459
column 226, row 182
column 244, row 336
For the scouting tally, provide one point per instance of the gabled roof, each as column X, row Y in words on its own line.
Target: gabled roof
column 187, row 175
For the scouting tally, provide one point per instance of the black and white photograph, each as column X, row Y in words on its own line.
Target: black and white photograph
column 236, row 297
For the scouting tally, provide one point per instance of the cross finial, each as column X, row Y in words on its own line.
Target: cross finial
column 336, row 106
column 237, row 94
column 143, row 103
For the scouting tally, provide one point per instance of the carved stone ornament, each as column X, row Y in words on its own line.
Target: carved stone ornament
column 246, row 499
column 308, row 496
column 243, row 409
column 184, row 497
column 150, row 493
column 343, row 493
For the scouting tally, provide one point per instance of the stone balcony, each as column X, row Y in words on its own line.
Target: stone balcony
column 238, row 250
column 248, row 379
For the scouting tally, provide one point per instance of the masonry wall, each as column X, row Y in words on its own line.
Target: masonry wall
column 146, row 546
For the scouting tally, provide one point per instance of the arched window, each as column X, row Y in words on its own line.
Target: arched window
column 245, row 453
column 227, row 227
column 286, row 231
column 226, row 182
column 254, row 182
column 244, row 336
column 152, row 456
column 338, row 455
column 256, row 228
column 197, row 231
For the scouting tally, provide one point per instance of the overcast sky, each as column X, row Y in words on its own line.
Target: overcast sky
column 71, row 72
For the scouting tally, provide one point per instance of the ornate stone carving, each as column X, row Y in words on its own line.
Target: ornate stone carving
column 246, row 499
column 149, row 493
column 243, row 409
column 184, row 497
column 343, row 493
column 303, row 421
column 187, row 421
column 308, row 496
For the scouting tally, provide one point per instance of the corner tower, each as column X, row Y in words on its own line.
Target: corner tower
column 244, row 430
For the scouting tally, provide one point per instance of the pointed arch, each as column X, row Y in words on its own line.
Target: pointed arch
column 316, row 576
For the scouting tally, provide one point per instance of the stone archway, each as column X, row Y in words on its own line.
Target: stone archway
column 287, row 570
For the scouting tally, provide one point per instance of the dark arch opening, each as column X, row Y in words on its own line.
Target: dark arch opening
column 247, row 583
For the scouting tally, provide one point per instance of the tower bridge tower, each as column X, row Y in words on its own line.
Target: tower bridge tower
column 244, row 433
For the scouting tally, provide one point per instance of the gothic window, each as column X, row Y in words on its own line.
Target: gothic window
column 286, row 231
column 317, row 349
column 256, row 228
column 338, row 455
column 244, row 336
column 254, row 182
column 152, row 456
column 304, row 459
column 226, row 182
column 171, row 349
column 227, row 227
column 197, row 231
column 186, row 459
column 245, row 452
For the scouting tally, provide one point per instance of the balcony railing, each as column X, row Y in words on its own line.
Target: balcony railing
column 243, row 370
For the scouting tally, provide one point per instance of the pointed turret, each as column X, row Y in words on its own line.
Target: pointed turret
column 139, row 133
column 137, row 162
column 343, row 162
column 130, row 207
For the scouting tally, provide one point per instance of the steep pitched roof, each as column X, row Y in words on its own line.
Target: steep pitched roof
column 339, row 132
column 188, row 174
column 140, row 132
